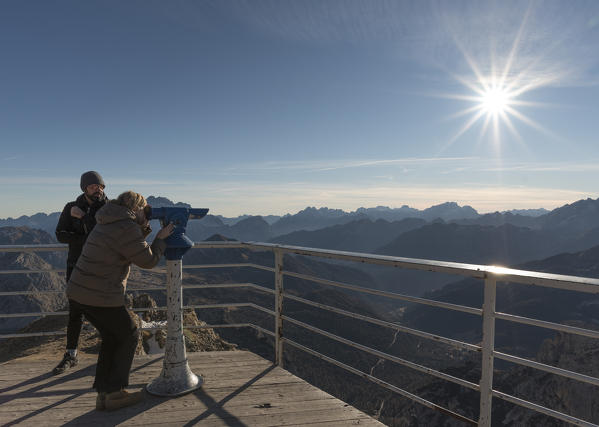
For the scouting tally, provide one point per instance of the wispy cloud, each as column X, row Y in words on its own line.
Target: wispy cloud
column 555, row 43
column 330, row 165
column 545, row 167
column 11, row 158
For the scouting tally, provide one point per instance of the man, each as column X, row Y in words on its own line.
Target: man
column 76, row 222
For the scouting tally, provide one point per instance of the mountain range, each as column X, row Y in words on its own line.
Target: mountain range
column 310, row 218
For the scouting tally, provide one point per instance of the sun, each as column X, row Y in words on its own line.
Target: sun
column 496, row 86
column 495, row 101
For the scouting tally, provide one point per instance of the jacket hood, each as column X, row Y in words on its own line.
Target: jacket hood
column 112, row 212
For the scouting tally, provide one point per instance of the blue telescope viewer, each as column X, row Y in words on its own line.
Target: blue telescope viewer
column 177, row 243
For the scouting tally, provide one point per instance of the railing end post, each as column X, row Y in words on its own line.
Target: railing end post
column 488, row 348
column 278, row 307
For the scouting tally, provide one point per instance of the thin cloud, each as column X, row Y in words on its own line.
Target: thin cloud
column 551, row 37
column 545, row 167
column 320, row 165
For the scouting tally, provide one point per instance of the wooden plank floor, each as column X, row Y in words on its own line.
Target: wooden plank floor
column 240, row 389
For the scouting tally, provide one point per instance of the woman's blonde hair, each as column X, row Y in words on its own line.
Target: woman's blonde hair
column 131, row 200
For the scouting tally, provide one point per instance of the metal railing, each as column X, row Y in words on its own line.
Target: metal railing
column 490, row 275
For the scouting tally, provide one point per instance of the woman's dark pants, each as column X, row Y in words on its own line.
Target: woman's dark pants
column 119, row 340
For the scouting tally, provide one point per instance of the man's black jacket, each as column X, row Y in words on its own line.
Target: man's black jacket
column 73, row 230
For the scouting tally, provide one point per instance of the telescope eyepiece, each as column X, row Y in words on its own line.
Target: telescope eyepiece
column 148, row 212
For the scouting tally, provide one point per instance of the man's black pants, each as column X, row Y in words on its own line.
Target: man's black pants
column 75, row 320
column 74, row 326
column 119, row 340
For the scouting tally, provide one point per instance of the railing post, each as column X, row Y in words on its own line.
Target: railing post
column 488, row 347
column 278, row 307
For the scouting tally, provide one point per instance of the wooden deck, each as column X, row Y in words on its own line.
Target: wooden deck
column 240, row 389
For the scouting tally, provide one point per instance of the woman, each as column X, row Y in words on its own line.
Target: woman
column 97, row 286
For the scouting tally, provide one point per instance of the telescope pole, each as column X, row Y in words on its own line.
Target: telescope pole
column 176, row 378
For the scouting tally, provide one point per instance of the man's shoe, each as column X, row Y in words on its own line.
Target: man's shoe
column 120, row 399
column 101, row 401
column 67, row 362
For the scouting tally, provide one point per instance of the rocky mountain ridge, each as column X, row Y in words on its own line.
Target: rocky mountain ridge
column 31, row 281
column 310, row 218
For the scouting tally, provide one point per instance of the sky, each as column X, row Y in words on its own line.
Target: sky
column 266, row 107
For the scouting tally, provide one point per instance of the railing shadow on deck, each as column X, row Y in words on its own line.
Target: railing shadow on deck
column 489, row 276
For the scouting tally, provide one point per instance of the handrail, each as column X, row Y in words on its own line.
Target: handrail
column 489, row 274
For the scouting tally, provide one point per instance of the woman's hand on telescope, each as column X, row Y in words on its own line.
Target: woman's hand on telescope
column 165, row 231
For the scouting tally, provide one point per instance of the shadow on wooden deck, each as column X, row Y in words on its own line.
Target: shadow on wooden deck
column 240, row 389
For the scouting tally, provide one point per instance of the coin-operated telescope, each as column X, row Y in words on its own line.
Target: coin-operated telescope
column 176, row 377
column 177, row 243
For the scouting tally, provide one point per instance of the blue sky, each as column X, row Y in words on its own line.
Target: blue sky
column 266, row 107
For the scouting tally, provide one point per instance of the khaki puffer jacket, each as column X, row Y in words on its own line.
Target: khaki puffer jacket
column 100, row 275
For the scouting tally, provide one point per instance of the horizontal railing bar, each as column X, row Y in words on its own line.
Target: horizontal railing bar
column 551, row 412
column 583, row 284
column 155, row 269
column 37, row 314
column 219, row 245
column 208, row 306
column 39, row 270
column 386, row 324
column 219, row 285
column 201, row 306
column 386, row 356
column 243, row 264
column 393, row 295
column 53, row 247
column 546, row 280
column 32, row 334
column 226, row 325
column 382, row 383
column 265, row 331
column 549, row 325
column 230, row 265
column 218, row 326
column 265, row 310
column 409, row 263
column 12, row 293
column 241, row 304
column 143, row 309
column 230, row 285
column 547, row 368
column 232, row 325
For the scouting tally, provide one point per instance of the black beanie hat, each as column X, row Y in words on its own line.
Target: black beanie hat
column 89, row 178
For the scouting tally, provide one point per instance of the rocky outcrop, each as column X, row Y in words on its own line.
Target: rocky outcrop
column 28, row 282
column 567, row 351
column 152, row 342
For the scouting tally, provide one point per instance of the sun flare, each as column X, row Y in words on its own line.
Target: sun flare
column 495, row 91
column 495, row 101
